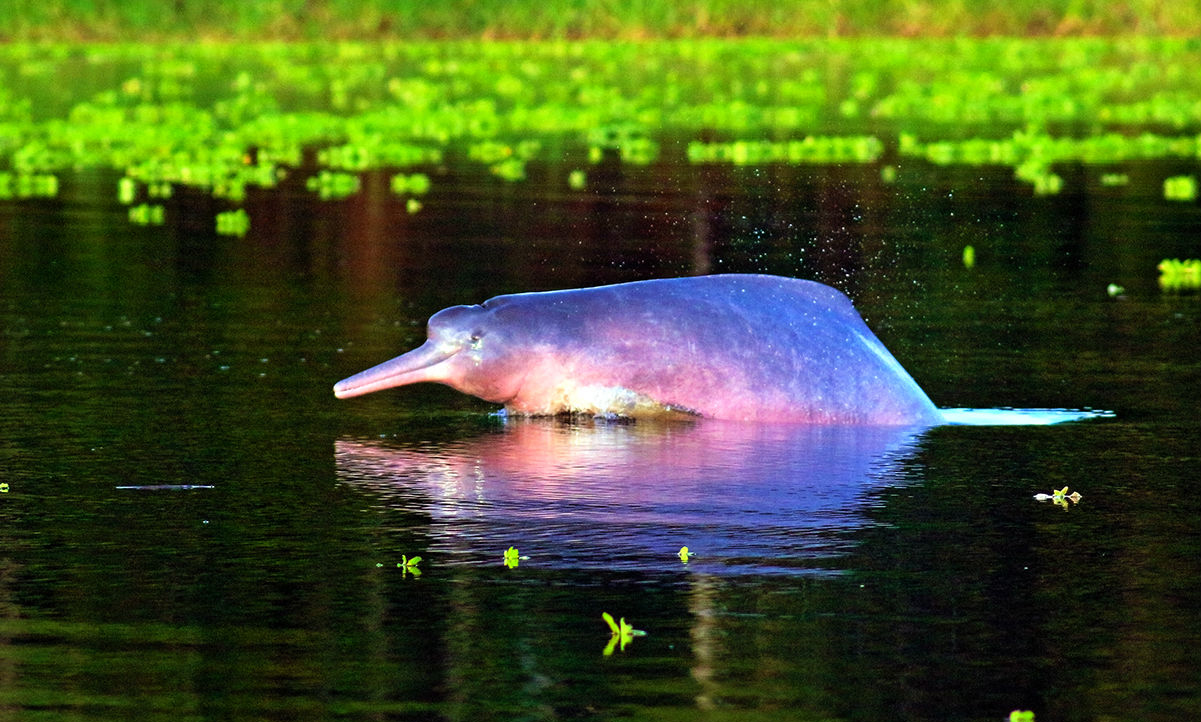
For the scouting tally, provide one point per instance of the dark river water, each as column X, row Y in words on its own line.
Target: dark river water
column 192, row 527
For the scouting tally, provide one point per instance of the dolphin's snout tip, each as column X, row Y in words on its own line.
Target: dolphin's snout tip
column 343, row 390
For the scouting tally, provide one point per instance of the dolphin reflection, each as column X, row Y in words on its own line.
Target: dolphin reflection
column 745, row 498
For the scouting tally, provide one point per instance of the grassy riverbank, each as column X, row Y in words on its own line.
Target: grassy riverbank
column 121, row 20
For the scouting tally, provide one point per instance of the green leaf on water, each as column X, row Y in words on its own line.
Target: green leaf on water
column 622, row 633
column 612, row 624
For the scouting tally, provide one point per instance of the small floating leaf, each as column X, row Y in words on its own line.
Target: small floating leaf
column 1180, row 188
column 512, row 557
column 126, row 191
column 622, row 633
column 1178, row 275
column 969, row 256
column 1060, row 497
column 612, row 624
column 233, row 223
column 408, row 565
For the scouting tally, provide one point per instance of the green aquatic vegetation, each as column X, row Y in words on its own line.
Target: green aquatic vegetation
column 969, row 256
column 1032, row 152
column 379, row 154
column 1046, row 183
column 490, row 152
column 28, row 185
column 1060, row 497
column 407, row 565
column 504, row 160
column 333, row 185
column 233, row 223
column 159, row 190
column 228, row 119
column 416, row 184
column 512, row 558
column 511, row 170
column 1178, row 275
column 810, row 149
column 127, row 191
column 146, row 214
column 622, row 633
column 1180, row 188
column 627, row 141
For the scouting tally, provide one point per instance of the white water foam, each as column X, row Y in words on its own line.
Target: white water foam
column 1020, row 417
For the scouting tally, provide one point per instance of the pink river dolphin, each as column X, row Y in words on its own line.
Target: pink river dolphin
column 734, row 347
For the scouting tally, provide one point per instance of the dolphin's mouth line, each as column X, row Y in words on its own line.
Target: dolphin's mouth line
column 410, row 368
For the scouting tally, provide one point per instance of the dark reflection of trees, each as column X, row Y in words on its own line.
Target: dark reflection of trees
column 136, row 355
column 970, row 599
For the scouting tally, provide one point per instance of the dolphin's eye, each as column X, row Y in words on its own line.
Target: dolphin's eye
column 477, row 340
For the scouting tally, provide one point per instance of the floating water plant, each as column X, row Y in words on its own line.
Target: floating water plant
column 233, row 223
column 145, row 214
column 969, row 256
column 810, row 149
column 1047, row 184
column 1040, row 176
column 333, row 185
column 229, row 118
column 512, row 558
column 1180, row 188
column 1060, row 497
column 28, row 185
column 415, row 184
column 127, row 191
column 1178, row 275
column 512, row 170
column 622, row 633
column 407, row 565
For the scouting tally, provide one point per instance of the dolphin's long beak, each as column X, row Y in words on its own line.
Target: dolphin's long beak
column 420, row 364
